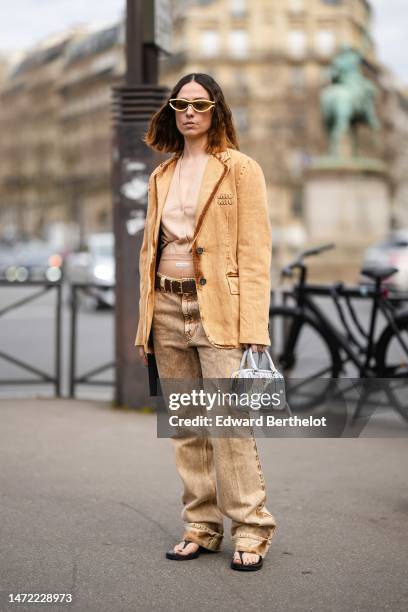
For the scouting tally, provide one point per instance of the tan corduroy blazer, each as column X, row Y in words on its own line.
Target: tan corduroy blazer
column 231, row 250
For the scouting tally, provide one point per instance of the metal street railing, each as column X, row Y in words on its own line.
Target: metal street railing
column 42, row 376
column 86, row 377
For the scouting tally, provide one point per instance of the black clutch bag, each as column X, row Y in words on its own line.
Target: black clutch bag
column 154, row 381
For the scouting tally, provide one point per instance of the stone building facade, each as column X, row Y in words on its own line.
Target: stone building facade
column 270, row 58
column 56, row 134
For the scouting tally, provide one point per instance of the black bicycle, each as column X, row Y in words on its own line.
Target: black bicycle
column 306, row 343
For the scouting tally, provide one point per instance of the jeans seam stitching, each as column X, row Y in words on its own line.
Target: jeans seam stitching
column 251, row 537
column 211, row 532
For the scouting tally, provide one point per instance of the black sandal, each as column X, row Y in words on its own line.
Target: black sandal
column 249, row 567
column 179, row 557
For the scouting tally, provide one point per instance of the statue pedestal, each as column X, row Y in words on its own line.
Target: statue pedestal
column 346, row 201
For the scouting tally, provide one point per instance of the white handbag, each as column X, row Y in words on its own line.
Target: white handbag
column 253, row 379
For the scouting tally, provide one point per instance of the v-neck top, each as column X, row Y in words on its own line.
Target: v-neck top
column 178, row 226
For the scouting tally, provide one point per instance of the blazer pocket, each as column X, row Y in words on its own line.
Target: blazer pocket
column 233, row 282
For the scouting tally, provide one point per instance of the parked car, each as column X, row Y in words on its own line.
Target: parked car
column 94, row 264
column 392, row 251
column 30, row 260
column 6, row 259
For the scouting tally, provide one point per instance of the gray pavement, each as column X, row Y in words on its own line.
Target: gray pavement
column 91, row 500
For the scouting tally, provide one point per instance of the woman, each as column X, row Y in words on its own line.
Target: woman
column 204, row 298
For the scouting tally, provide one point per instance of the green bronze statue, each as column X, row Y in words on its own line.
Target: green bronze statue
column 348, row 101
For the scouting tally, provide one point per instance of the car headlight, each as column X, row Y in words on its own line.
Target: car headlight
column 11, row 274
column 22, row 274
column 53, row 274
column 103, row 272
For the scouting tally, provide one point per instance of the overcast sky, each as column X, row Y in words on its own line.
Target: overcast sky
column 25, row 22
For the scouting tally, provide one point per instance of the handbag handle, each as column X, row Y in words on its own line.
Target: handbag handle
column 247, row 352
column 243, row 359
column 268, row 355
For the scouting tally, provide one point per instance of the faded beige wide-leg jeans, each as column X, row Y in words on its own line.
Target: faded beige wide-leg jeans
column 221, row 476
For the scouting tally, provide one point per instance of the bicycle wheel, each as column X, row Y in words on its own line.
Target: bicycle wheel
column 305, row 354
column 392, row 362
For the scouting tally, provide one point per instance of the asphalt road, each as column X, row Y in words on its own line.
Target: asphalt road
column 91, row 500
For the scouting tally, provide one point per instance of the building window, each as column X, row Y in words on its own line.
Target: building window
column 238, row 8
column 297, row 43
column 239, row 43
column 209, row 43
column 240, row 116
column 325, row 42
column 297, row 203
column 103, row 218
column 268, row 14
column 240, row 81
column 296, row 6
column 297, row 79
column 324, row 76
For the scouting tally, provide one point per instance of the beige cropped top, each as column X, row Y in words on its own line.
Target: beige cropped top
column 178, row 226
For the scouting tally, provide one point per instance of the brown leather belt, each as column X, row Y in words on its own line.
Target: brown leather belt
column 175, row 286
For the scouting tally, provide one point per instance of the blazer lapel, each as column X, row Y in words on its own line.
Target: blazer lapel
column 163, row 180
column 213, row 173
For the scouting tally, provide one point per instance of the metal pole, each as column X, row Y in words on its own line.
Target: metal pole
column 134, row 102
column 72, row 368
column 134, row 38
column 58, row 322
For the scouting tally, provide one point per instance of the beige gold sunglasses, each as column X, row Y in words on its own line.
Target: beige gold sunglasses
column 181, row 104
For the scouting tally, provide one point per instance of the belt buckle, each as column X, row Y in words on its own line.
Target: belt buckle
column 190, row 291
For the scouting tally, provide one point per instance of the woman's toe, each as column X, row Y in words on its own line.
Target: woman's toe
column 187, row 550
column 248, row 558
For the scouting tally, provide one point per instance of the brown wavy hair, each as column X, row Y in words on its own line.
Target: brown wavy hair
column 163, row 135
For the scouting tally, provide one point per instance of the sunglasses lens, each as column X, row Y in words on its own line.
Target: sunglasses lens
column 198, row 105
column 202, row 105
column 179, row 105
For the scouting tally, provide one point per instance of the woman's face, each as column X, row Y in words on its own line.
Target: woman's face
column 191, row 123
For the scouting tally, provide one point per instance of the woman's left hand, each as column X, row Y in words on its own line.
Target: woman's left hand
column 256, row 347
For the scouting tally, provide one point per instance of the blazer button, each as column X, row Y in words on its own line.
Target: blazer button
column 199, row 250
column 202, row 281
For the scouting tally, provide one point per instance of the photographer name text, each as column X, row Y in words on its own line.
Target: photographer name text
column 259, row 421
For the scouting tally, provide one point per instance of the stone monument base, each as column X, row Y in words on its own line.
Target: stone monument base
column 346, row 201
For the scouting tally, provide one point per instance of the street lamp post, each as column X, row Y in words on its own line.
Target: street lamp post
column 134, row 102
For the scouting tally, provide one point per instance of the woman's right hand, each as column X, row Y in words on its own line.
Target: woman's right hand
column 142, row 354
